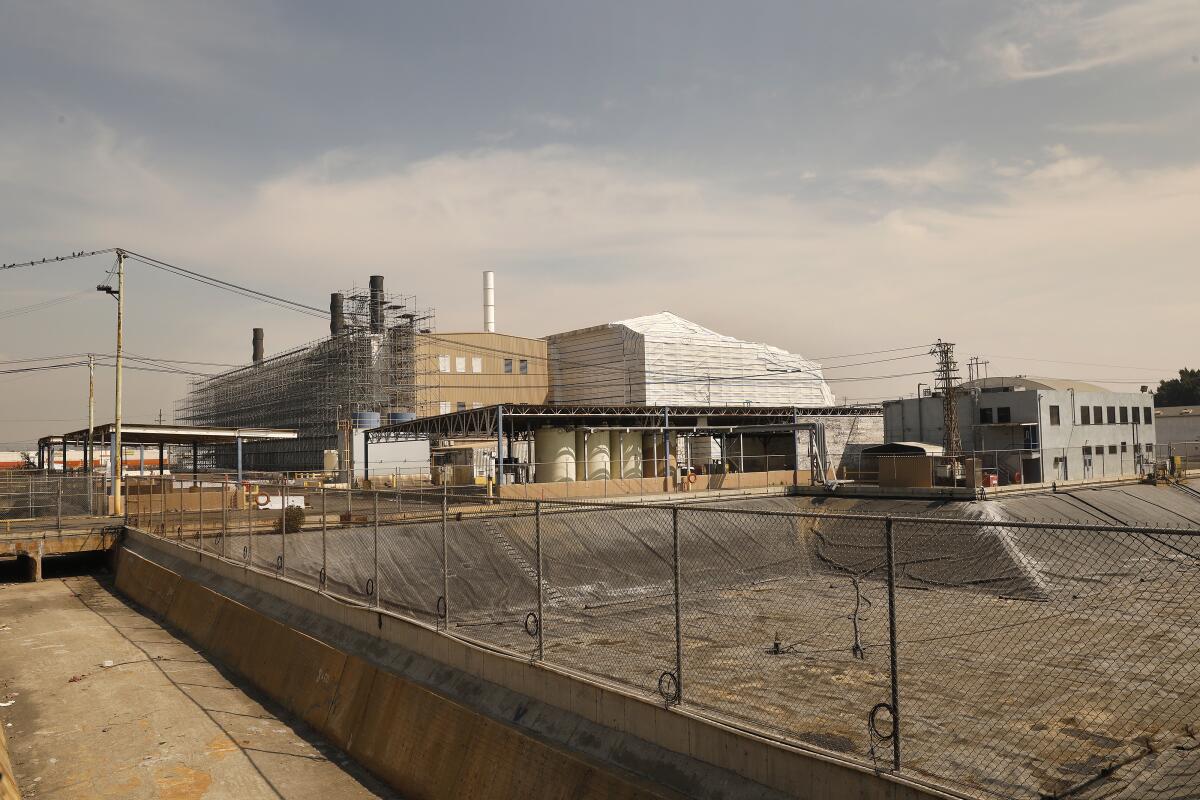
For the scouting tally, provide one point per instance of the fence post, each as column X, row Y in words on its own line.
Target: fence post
column 445, row 565
column 179, row 530
column 537, row 551
column 200, row 524
column 249, row 530
column 162, row 491
column 58, row 512
column 678, row 616
column 283, row 497
column 889, row 544
column 324, row 531
column 375, row 534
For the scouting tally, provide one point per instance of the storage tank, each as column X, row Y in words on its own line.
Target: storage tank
column 555, row 449
column 599, row 456
column 652, row 453
column 625, row 449
column 396, row 417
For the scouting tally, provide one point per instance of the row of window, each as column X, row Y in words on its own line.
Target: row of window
column 445, row 406
column 460, row 364
column 1114, row 415
column 1088, row 415
column 1112, row 449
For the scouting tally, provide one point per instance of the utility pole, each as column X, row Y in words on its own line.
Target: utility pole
column 91, row 409
column 947, row 382
column 118, row 502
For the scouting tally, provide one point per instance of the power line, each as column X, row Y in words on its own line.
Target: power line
column 56, row 259
column 218, row 283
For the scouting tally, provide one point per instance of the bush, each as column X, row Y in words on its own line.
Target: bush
column 293, row 518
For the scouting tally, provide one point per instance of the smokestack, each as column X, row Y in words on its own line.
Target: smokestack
column 489, row 301
column 337, row 319
column 376, row 304
column 257, row 344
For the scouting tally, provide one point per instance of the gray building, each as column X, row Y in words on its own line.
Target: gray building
column 1034, row 429
column 1177, row 431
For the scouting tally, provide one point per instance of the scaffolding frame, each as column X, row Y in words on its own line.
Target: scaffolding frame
column 324, row 389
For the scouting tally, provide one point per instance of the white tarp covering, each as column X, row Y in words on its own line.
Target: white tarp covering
column 663, row 359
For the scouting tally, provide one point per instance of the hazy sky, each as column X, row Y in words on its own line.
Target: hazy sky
column 833, row 178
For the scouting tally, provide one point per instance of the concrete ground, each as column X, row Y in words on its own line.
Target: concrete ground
column 160, row 722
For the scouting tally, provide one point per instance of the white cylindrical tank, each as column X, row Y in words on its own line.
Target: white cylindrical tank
column 625, row 448
column 592, row 454
column 599, row 456
column 555, row 448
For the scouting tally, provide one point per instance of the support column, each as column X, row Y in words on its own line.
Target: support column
column 500, row 445
column 366, row 455
column 160, row 458
column 667, row 449
column 239, row 461
column 195, row 459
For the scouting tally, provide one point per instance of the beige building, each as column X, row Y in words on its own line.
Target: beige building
column 461, row 371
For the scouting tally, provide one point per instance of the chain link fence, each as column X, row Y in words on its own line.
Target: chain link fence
column 997, row 658
column 33, row 498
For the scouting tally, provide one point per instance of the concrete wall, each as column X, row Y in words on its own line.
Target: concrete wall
column 1173, row 430
column 8, row 781
column 618, row 487
column 438, row 717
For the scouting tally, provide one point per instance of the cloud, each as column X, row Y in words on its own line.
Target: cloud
column 948, row 169
column 1045, row 40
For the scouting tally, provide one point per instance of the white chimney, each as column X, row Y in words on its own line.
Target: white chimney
column 489, row 301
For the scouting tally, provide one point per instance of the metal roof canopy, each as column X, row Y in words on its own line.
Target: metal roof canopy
column 482, row 423
column 170, row 434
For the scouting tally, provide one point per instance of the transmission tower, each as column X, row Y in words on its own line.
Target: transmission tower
column 947, row 383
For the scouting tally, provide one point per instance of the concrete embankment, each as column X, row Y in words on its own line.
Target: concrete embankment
column 436, row 716
column 8, row 782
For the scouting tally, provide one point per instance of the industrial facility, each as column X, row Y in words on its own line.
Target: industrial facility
column 384, row 365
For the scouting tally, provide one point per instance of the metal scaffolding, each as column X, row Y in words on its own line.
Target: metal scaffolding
column 367, row 372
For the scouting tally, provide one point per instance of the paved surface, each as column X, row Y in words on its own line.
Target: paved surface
column 162, row 722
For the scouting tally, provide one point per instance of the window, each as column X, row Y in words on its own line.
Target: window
column 1087, row 450
column 1003, row 414
column 1085, row 415
column 476, row 364
column 460, row 406
column 1137, row 416
column 1097, row 415
column 1124, row 447
column 1054, row 416
column 1148, row 416
column 443, row 363
column 524, row 366
column 1112, row 415
column 1112, row 449
column 1124, row 415
column 460, row 364
column 508, row 366
column 1149, row 447
column 444, row 407
column 985, row 416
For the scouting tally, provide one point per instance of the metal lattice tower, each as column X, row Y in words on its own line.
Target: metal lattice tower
column 947, row 383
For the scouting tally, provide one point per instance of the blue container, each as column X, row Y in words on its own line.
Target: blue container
column 396, row 417
column 365, row 419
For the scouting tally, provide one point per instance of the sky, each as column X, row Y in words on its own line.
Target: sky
column 1021, row 179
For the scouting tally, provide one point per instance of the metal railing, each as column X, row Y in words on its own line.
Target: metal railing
column 37, row 499
column 997, row 658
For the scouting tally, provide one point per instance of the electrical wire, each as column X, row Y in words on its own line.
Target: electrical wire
column 56, row 259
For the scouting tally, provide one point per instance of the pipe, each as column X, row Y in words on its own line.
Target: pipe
column 376, row 304
column 489, row 301
column 337, row 318
column 256, row 343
